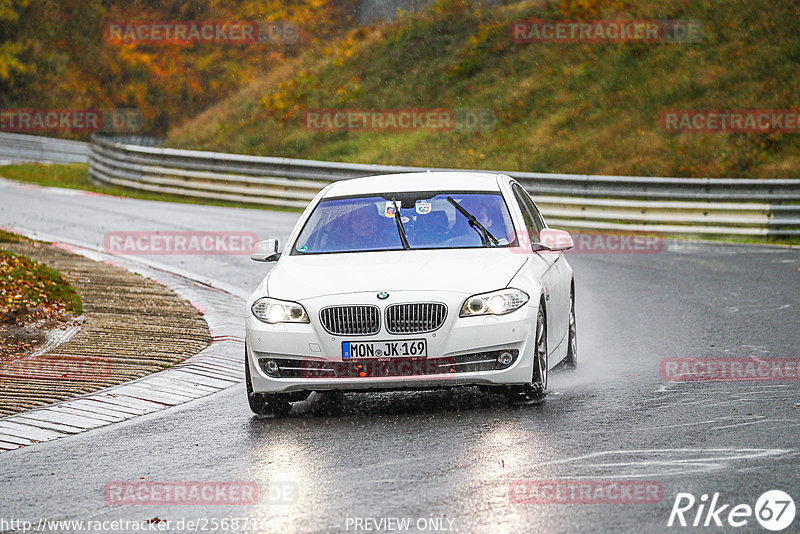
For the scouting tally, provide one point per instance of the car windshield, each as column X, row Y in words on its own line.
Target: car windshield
column 430, row 220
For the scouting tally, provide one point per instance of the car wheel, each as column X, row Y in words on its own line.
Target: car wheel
column 264, row 404
column 536, row 391
column 571, row 361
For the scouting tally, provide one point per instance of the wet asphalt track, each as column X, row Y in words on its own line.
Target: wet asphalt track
column 453, row 454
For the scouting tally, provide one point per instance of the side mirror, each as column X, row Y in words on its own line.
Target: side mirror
column 555, row 240
column 266, row 250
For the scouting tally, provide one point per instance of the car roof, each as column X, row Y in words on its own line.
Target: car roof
column 415, row 181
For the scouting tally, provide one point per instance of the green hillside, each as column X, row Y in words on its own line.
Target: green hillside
column 559, row 107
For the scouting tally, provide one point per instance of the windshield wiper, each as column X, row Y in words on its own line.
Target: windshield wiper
column 400, row 228
column 486, row 236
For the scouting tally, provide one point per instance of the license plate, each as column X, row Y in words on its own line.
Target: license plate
column 409, row 348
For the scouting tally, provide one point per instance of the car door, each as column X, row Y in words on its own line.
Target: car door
column 557, row 276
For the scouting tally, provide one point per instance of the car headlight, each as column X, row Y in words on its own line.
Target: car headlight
column 498, row 302
column 274, row 311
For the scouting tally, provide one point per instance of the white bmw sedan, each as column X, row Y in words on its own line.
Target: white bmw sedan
column 412, row 281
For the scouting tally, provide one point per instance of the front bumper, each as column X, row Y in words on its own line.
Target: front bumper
column 313, row 358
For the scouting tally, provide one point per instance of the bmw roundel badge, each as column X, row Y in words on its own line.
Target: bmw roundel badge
column 383, row 295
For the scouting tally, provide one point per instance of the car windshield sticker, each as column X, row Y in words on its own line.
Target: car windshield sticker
column 389, row 212
column 423, row 207
column 302, row 249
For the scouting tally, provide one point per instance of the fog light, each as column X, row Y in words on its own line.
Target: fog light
column 270, row 367
column 505, row 359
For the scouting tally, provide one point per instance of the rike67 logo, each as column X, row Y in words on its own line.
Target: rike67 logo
column 774, row 510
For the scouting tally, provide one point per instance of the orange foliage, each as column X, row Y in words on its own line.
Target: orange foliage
column 71, row 65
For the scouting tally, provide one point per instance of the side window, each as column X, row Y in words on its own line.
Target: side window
column 537, row 217
column 527, row 216
column 534, row 211
column 536, row 214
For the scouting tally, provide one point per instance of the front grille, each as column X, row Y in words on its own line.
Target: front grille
column 416, row 318
column 351, row 320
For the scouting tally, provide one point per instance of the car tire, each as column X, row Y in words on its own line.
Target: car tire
column 571, row 361
column 536, row 391
column 264, row 404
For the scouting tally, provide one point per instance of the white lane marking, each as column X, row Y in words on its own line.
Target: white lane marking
column 10, row 438
column 139, row 390
column 212, row 382
column 39, row 423
column 746, row 423
column 49, row 415
column 766, row 386
column 208, row 374
column 726, row 454
column 661, row 462
column 117, row 399
column 756, row 308
column 105, row 407
column 80, row 412
column 29, row 432
column 179, row 385
column 749, row 393
column 694, row 423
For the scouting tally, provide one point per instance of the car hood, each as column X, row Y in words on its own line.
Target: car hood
column 462, row 270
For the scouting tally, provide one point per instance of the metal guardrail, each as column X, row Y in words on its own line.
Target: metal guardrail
column 26, row 148
column 683, row 206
